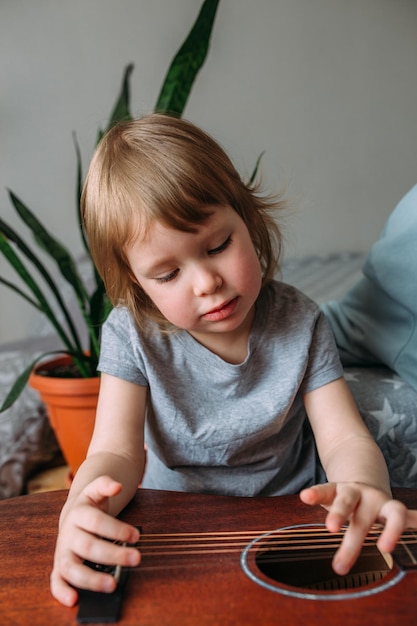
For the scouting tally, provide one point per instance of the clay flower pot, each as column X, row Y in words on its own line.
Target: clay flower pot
column 71, row 406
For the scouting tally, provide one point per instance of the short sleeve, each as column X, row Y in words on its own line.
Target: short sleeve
column 120, row 353
column 324, row 365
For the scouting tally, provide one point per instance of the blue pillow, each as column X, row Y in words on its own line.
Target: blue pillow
column 376, row 321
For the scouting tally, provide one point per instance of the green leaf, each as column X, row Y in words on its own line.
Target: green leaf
column 21, row 381
column 97, row 277
column 79, row 188
column 121, row 109
column 6, row 232
column 256, row 168
column 58, row 253
column 25, row 275
column 18, row 386
column 98, row 313
column 186, row 64
column 52, row 246
column 21, row 293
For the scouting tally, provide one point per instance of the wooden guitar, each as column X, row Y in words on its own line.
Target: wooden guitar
column 215, row 560
column 219, row 560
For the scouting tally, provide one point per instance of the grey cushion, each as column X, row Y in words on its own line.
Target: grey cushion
column 26, row 439
column 388, row 406
column 376, row 321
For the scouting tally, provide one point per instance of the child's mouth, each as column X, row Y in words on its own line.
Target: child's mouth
column 222, row 312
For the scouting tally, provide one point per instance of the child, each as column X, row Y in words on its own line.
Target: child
column 224, row 361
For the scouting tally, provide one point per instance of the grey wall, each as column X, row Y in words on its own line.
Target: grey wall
column 326, row 87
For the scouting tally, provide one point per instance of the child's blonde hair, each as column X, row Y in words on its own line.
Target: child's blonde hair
column 163, row 168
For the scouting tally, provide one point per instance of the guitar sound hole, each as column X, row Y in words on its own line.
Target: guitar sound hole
column 297, row 561
column 300, row 568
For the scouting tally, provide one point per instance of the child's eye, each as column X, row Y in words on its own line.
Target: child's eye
column 222, row 247
column 167, row 278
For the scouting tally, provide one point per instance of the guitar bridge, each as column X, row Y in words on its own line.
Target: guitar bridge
column 96, row 607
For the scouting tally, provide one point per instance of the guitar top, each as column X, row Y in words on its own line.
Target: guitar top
column 217, row 560
column 214, row 561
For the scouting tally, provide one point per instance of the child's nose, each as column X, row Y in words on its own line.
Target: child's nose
column 206, row 281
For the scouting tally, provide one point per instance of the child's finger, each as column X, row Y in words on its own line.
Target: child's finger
column 350, row 548
column 344, row 505
column 81, row 576
column 101, row 524
column 339, row 499
column 62, row 591
column 396, row 517
column 97, row 550
column 102, row 488
column 323, row 494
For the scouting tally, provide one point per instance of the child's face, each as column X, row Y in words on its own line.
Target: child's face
column 204, row 282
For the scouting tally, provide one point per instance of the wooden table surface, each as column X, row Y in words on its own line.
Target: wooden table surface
column 209, row 590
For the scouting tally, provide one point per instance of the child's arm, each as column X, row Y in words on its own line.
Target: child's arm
column 103, row 485
column 358, row 488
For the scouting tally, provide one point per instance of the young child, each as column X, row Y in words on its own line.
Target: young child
column 231, row 378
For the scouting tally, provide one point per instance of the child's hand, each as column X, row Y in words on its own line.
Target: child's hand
column 361, row 505
column 83, row 522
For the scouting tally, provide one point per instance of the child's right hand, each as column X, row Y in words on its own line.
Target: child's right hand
column 84, row 520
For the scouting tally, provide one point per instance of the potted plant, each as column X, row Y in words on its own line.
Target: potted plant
column 74, row 372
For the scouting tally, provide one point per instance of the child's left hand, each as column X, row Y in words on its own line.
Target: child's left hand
column 361, row 505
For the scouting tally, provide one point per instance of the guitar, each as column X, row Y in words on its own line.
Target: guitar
column 213, row 561
column 209, row 560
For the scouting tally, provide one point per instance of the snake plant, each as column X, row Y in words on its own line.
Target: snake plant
column 94, row 304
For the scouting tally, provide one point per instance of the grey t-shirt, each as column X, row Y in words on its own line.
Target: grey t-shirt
column 216, row 427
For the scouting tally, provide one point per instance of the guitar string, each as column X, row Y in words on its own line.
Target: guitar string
column 232, row 542
column 301, row 535
column 292, row 552
column 212, row 550
column 300, row 544
column 224, row 543
column 197, row 562
column 274, row 557
column 226, row 535
column 288, row 533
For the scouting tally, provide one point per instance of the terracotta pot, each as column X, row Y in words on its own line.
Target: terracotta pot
column 71, row 406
